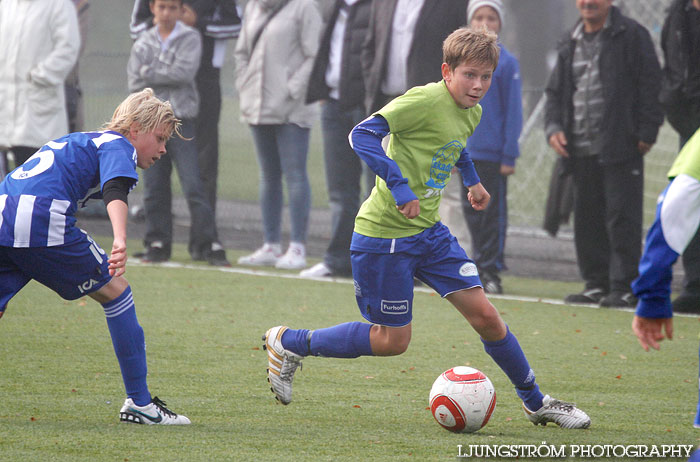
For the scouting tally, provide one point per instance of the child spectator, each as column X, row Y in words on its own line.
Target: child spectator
column 494, row 147
column 166, row 58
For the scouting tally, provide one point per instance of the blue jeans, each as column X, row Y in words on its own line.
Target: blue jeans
column 158, row 195
column 343, row 180
column 282, row 150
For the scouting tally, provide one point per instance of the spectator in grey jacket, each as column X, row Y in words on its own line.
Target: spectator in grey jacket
column 274, row 55
column 166, row 58
column 218, row 21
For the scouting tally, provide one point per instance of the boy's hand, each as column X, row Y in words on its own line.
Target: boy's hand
column 648, row 331
column 117, row 259
column 410, row 209
column 478, row 196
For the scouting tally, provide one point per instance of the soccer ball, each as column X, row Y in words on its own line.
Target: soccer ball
column 462, row 399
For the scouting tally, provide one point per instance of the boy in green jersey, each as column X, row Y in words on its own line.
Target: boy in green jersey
column 398, row 234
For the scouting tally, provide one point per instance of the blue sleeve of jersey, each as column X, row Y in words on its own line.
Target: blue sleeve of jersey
column 366, row 140
column 117, row 159
column 466, row 168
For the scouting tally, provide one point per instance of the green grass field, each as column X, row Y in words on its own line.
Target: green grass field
column 62, row 389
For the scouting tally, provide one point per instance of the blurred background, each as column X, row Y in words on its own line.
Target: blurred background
column 532, row 30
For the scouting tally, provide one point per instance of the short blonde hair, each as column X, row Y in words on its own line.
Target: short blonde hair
column 146, row 110
column 470, row 45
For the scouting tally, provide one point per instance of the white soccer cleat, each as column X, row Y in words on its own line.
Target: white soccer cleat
column 281, row 364
column 267, row 255
column 564, row 414
column 154, row 413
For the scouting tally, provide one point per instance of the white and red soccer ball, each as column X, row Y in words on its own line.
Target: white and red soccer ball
column 462, row 399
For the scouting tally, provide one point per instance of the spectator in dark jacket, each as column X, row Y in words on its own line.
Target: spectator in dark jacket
column 336, row 80
column 602, row 114
column 680, row 98
column 410, row 33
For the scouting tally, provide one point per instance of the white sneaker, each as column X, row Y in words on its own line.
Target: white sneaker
column 566, row 415
column 281, row 364
column 154, row 413
column 267, row 255
column 294, row 258
column 319, row 270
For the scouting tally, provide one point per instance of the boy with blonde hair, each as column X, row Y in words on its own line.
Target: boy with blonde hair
column 39, row 238
column 398, row 234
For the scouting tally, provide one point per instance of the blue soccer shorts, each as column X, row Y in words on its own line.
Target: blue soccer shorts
column 383, row 271
column 71, row 270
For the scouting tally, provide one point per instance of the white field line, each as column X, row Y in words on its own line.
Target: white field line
column 426, row 290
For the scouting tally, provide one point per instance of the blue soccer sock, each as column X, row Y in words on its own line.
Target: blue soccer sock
column 347, row 340
column 511, row 359
column 129, row 346
column 296, row 341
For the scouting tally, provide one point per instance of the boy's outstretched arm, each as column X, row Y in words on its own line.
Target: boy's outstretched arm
column 478, row 196
column 118, row 212
column 114, row 194
column 366, row 140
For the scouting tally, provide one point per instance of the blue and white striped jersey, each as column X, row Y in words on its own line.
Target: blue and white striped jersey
column 38, row 199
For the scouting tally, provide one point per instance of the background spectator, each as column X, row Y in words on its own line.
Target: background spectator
column 74, row 94
column 680, row 97
column 40, row 43
column 336, row 79
column 274, row 56
column 409, row 52
column 602, row 114
column 166, row 58
column 494, row 147
column 218, row 21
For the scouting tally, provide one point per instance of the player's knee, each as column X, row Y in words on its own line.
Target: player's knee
column 394, row 348
column 108, row 292
column 488, row 323
column 390, row 341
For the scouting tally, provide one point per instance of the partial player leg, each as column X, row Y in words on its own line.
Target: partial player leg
column 286, row 347
column 12, row 279
column 505, row 350
column 130, row 348
column 384, row 294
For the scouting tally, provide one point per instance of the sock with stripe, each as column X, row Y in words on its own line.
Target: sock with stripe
column 129, row 346
column 511, row 359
